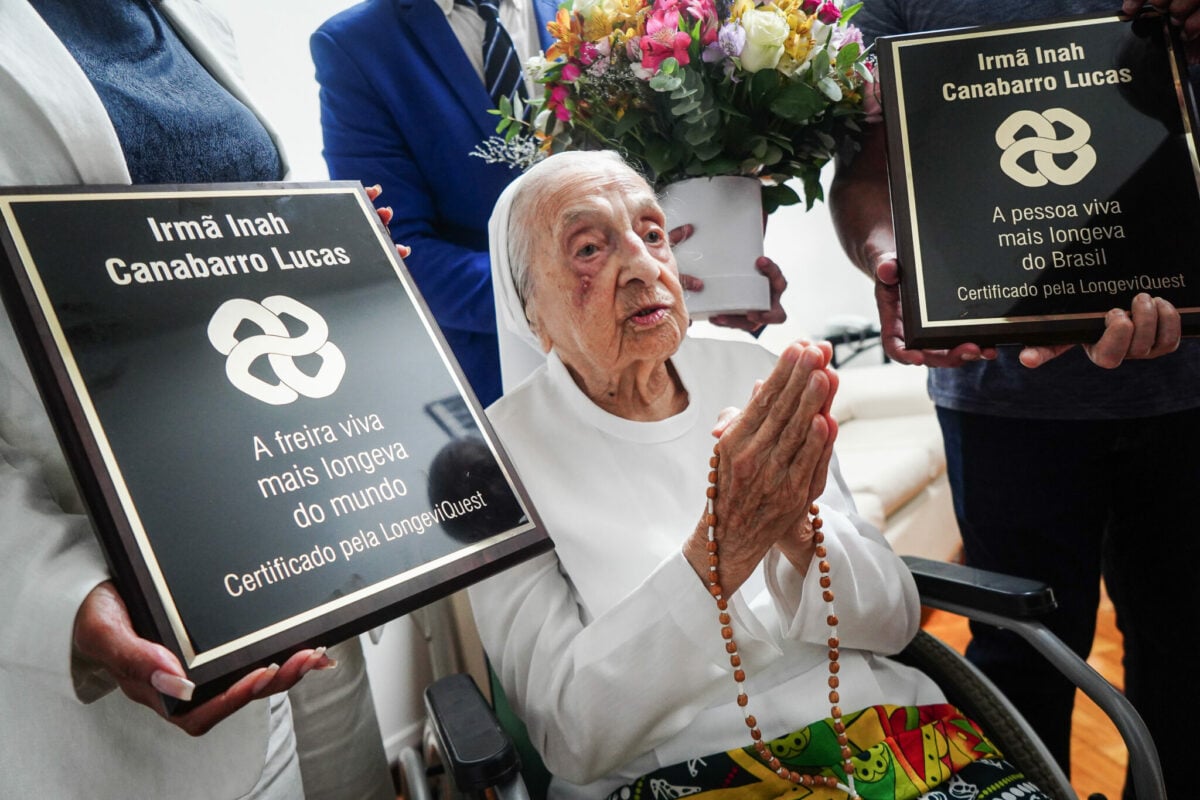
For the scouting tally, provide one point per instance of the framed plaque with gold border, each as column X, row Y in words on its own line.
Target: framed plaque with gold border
column 273, row 440
column 1041, row 174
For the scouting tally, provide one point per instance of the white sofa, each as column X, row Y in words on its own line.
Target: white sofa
column 890, row 447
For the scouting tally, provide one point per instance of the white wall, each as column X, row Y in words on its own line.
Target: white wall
column 273, row 43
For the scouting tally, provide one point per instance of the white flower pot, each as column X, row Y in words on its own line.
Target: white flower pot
column 726, row 213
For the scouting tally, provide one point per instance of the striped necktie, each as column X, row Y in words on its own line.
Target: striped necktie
column 501, row 65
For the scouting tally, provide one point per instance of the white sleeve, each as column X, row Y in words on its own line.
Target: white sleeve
column 49, row 557
column 580, row 688
column 875, row 597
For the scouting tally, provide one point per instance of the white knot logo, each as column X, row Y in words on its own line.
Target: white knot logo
column 278, row 346
column 1045, row 145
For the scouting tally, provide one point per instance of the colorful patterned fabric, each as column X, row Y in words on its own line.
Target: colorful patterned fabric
column 900, row 753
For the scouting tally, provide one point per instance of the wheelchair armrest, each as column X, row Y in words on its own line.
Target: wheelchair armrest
column 475, row 749
column 1015, row 604
column 1008, row 596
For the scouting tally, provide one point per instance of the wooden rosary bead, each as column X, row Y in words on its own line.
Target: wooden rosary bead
column 735, row 660
column 711, row 492
column 833, row 682
column 827, row 596
column 821, row 551
column 834, row 641
column 724, row 618
column 825, row 582
column 739, row 675
column 727, row 633
column 712, row 477
column 730, row 647
column 742, row 700
column 712, row 547
column 832, row 620
column 834, row 697
column 833, row 654
column 713, row 461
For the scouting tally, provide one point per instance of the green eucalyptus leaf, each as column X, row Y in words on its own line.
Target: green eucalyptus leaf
column 848, row 14
column 829, row 87
column 848, row 55
column 820, row 62
column 798, row 102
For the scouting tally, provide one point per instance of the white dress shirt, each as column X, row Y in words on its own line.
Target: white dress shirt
column 518, row 19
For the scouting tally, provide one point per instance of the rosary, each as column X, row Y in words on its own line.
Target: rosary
column 735, row 659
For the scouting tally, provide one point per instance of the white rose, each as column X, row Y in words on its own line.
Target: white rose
column 766, row 30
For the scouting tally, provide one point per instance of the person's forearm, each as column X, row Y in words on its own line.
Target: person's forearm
column 861, row 207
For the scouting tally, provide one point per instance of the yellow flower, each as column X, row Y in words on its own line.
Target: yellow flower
column 567, row 31
column 598, row 26
column 741, row 7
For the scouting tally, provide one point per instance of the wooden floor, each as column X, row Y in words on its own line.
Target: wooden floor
column 1097, row 753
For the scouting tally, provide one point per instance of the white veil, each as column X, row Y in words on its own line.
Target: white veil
column 520, row 351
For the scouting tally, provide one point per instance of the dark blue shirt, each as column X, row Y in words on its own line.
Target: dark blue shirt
column 176, row 124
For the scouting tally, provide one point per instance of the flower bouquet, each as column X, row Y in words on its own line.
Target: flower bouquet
column 695, row 94
column 685, row 89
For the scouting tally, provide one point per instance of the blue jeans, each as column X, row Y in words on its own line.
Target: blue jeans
column 1065, row 502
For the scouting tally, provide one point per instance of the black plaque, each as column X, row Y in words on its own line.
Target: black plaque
column 255, row 402
column 1041, row 174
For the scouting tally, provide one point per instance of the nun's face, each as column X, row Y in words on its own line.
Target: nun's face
column 605, row 289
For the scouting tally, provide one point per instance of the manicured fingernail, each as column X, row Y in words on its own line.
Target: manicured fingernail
column 326, row 663
column 265, row 679
column 172, row 685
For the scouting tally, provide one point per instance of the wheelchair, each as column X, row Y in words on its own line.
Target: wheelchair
column 468, row 752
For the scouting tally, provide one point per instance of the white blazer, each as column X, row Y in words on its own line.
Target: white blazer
column 63, row 732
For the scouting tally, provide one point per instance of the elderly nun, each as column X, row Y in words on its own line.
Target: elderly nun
column 697, row 627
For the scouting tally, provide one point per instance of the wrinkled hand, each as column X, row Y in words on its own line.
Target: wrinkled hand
column 891, row 325
column 385, row 216
column 752, row 321
column 104, row 634
column 1184, row 13
column 774, row 459
column 1151, row 328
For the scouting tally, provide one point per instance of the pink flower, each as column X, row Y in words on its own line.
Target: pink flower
column 557, row 101
column 663, row 38
column 570, row 72
column 829, row 13
column 588, row 53
column 704, row 12
column 845, row 35
column 809, row 6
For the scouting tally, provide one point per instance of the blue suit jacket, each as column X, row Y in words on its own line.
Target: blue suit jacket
column 401, row 106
